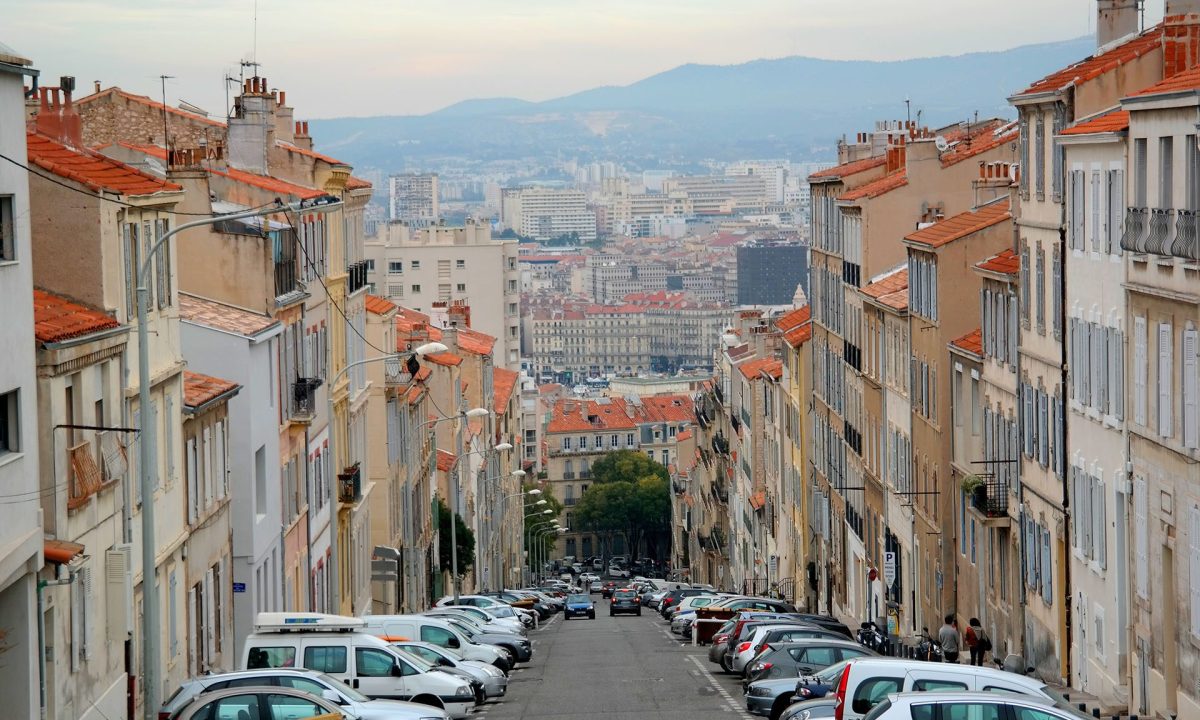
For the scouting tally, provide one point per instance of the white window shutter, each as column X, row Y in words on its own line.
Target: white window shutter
column 1194, row 568
column 1076, row 477
column 1140, row 363
column 1094, row 230
column 1047, row 573
column 1100, row 517
column 1027, row 416
column 1119, row 374
column 1165, row 377
column 193, row 481
column 1043, row 427
column 1191, row 416
column 1085, row 511
column 1142, row 538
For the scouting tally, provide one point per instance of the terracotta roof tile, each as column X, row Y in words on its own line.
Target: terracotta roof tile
column 504, row 381
column 769, row 366
column 979, row 144
column 684, row 435
column 799, row 335
column 875, row 188
column 475, row 342
column 1006, row 262
column 56, row 318
column 668, row 408
column 357, row 183
column 972, row 342
column 1186, row 81
column 1111, row 121
column 268, row 183
column 199, row 389
column 850, row 168
column 445, row 460
column 445, row 359
column 892, row 282
column 961, row 225
column 142, row 99
column 793, row 319
column 413, row 326
column 219, row 316
column 92, row 169
column 379, row 305
column 1096, row 65
column 570, row 415
column 309, row 153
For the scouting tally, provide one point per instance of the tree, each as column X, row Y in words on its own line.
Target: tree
column 630, row 495
column 626, row 466
column 464, row 536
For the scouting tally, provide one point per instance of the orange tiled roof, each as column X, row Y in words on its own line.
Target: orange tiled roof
column 972, row 342
column 219, row 316
column 890, row 290
column 979, row 144
column 504, row 381
column 56, row 318
column 753, row 368
column 1186, row 81
column 668, row 408
column 1110, row 121
column 151, row 103
column 569, row 415
column 797, row 336
column 1096, row 65
column 357, row 183
column 445, row 460
column 849, row 168
column 961, row 225
column 475, row 342
column 309, row 153
column 1006, row 262
column 445, row 359
column 200, row 389
column 268, row 183
column 793, row 319
column 683, row 435
column 91, row 169
column 379, row 305
column 875, row 188
column 407, row 321
column 549, row 388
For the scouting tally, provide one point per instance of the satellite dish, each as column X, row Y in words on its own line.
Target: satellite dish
column 940, row 143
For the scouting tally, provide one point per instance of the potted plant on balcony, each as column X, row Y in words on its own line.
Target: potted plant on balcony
column 974, row 486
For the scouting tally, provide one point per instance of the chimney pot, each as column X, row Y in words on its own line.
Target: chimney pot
column 275, row 95
column 246, row 85
column 264, row 84
column 56, row 101
column 282, row 97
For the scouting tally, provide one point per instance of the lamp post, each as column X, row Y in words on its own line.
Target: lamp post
column 334, row 526
column 463, row 416
column 544, row 535
column 533, row 529
column 147, row 463
column 496, row 530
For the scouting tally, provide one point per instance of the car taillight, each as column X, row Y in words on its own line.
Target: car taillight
column 839, row 703
column 742, row 648
column 765, row 666
column 760, row 648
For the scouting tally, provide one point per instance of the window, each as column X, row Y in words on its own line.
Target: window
column 416, row 288
column 1139, row 172
column 461, row 287
column 1166, row 171
column 1024, row 270
column 1075, row 232
column 460, row 264
column 374, row 663
column 1039, row 290
column 331, row 659
column 566, row 443
column 1165, row 377
column 270, row 657
column 10, row 422
column 8, row 229
column 395, row 267
column 1191, row 393
column 970, row 710
column 439, row 636
column 1141, row 517
column 1116, row 211
column 233, row 706
column 1194, row 560
column 415, row 265
column 1094, row 226
column 1039, row 155
column 370, row 266
column 1192, row 174
column 1140, row 368
column 870, row 692
column 130, row 250
column 286, row 707
column 162, row 264
column 1056, row 293
column 929, row 685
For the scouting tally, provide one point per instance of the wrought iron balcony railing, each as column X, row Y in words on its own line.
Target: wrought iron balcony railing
column 1133, row 236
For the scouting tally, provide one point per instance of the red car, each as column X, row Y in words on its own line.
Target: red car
column 609, row 588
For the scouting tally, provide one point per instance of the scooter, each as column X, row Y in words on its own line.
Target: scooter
column 869, row 636
column 928, row 649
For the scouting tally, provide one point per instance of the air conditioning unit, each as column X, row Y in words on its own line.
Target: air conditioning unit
column 118, row 589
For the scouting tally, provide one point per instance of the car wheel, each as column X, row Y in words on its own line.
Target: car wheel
column 503, row 664
column 591, row 616
column 639, row 612
column 480, row 697
column 724, row 664
column 781, row 704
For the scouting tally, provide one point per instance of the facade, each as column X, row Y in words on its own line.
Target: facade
column 768, row 273
column 545, row 214
column 421, row 268
column 413, row 199
column 21, row 538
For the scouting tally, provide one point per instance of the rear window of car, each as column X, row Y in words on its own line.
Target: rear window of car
column 626, row 594
column 579, row 599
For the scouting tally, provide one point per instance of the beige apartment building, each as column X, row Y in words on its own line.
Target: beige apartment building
column 419, row 268
column 545, row 214
column 414, row 199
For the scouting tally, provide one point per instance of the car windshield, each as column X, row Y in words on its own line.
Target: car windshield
column 831, row 674
column 579, row 599
column 463, row 628
column 502, row 611
column 343, row 688
column 468, row 621
column 411, row 655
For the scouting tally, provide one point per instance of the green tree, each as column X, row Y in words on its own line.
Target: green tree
column 464, row 536
column 626, row 466
column 630, row 495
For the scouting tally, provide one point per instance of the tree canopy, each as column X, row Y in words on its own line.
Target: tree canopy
column 630, row 495
column 464, row 536
column 626, row 466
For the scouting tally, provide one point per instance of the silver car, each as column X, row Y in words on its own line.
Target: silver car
column 310, row 684
column 495, row 682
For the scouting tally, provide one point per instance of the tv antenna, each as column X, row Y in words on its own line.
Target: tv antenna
column 164, row 79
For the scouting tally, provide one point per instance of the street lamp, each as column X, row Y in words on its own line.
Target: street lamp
column 466, row 414
column 531, row 531
column 421, row 351
column 148, row 442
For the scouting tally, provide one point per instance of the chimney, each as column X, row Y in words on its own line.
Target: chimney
column 252, row 130
column 459, row 314
column 284, row 122
column 1181, row 36
column 70, row 123
column 1115, row 19
column 302, row 139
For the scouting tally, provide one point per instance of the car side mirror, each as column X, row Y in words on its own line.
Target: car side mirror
column 862, row 706
column 443, row 662
column 397, row 670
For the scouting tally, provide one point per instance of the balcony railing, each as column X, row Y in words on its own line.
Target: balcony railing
column 1186, row 244
column 304, row 400
column 716, row 540
column 350, row 484
column 569, row 502
column 356, row 276
column 1160, row 230
column 85, row 475
column 585, row 474
column 991, row 498
column 1133, row 237
column 568, row 476
column 720, row 492
column 679, row 486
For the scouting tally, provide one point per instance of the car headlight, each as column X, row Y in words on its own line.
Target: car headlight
column 465, row 692
column 759, row 691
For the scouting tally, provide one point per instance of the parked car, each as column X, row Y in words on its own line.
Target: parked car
column 794, row 658
column 579, row 606
column 439, row 631
column 519, row 647
column 674, row 596
column 512, row 623
column 759, row 637
column 461, row 613
column 311, row 681
column 624, row 601
column 981, row 705
column 617, row 571
column 595, row 586
column 493, row 680
column 494, row 606
column 588, row 577
column 819, row 709
column 258, row 702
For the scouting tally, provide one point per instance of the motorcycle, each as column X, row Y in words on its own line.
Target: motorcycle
column 928, row 649
column 870, row 637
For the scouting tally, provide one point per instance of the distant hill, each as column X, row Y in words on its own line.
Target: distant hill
column 792, row 107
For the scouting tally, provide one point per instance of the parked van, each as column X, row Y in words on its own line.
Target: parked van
column 338, row 646
column 866, row 682
column 436, row 631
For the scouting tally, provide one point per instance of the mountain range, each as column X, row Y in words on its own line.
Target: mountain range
column 792, row 107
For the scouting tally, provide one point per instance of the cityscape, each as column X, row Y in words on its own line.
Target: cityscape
column 382, row 404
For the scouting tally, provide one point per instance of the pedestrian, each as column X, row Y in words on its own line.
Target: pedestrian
column 949, row 640
column 977, row 641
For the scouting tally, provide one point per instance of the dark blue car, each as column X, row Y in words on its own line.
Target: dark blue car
column 579, row 606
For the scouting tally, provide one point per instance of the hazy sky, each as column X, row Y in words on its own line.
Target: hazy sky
column 372, row 57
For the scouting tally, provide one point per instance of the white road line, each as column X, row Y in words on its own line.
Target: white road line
column 733, row 704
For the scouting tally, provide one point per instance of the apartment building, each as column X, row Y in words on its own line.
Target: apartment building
column 21, row 539
column 721, row 194
column 793, row 568
column 544, row 214
column 419, row 268
column 413, row 199
column 769, row 271
column 607, row 278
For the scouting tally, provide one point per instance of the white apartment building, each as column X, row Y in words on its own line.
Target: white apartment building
column 20, row 527
column 546, row 214
column 773, row 172
column 418, row 268
column 413, row 199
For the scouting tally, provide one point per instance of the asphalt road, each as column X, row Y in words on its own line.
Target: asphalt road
column 618, row 668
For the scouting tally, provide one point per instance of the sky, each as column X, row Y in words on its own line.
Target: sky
column 398, row 57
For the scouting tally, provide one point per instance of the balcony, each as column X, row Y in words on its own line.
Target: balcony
column 720, row 492
column 303, row 407
column 570, row 502
column 1186, row 243
column 356, row 277
column 720, row 445
column 1133, row 237
column 990, row 499
column 85, row 476
column 716, row 540
column 585, row 474
column 1160, row 230
column 568, row 476
column 350, row 484
column 679, row 486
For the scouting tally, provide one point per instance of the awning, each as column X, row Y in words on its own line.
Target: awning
column 62, row 552
column 758, row 499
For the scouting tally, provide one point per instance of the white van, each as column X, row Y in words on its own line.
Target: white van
column 337, row 646
column 434, row 630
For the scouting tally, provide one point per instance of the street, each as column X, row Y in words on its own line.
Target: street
column 617, row 667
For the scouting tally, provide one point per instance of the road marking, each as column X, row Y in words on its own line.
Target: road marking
column 732, row 704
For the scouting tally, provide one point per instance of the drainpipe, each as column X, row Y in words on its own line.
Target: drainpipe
column 41, row 629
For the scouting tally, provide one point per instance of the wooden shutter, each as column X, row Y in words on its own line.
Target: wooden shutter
column 1116, row 211
column 1119, row 374
column 1141, row 538
column 1165, row 377
column 1043, row 427
column 1028, row 418
column 193, row 481
column 1084, row 510
column 1076, row 495
column 1047, row 574
column 129, row 250
column 1191, row 431
column 1140, row 362
column 1076, row 234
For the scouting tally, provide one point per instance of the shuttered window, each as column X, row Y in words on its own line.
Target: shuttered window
column 1141, row 538
column 1191, row 430
column 1165, row 376
column 1024, row 170
column 1039, row 155
column 1040, row 291
column 1099, row 514
column 1056, row 293
column 1025, row 271
column 1075, row 232
column 1194, row 568
column 1094, row 226
column 1116, row 211
column 1046, row 574
column 1140, row 362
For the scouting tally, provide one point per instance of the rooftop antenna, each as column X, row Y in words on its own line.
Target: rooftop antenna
column 228, row 108
column 164, row 79
column 908, row 110
column 254, row 50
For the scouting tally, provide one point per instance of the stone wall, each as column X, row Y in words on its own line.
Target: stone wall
column 114, row 116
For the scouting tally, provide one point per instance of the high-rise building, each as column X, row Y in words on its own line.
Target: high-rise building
column 546, row 214
column 768, row 272
column 413, row 199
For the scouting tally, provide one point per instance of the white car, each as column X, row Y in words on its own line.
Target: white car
column 588, row 578
column 972, row 705
column 616, row 572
